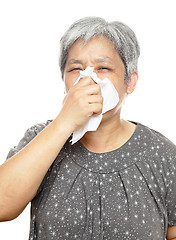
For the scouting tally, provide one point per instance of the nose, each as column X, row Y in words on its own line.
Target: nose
column 91, row 80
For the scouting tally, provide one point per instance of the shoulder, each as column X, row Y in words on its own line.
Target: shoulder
column 156, row 138
column 29, row 134
column 160, row 152
column 35, row 129
column 158, row 160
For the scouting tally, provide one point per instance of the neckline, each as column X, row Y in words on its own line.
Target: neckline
column 114, row 161
column 116, row 149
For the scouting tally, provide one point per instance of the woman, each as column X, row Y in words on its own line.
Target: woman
column 116, row 182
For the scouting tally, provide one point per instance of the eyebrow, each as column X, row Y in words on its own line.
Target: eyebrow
column 72, row 61
column 97, row 60
column 103, row 59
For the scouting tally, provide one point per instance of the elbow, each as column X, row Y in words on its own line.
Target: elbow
column 10, row 208
column 4, row 216
column 5, row 219
column 7, row 214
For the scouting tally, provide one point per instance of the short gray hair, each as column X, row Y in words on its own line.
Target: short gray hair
column 122, row 37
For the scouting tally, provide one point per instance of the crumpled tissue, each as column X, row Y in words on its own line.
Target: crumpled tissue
column 110, row 100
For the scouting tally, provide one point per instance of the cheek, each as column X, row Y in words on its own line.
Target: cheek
column 69, row 81
column 68, row 85
column 122, row 90
column 119, row 85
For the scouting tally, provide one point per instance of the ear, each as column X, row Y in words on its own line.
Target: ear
column 131, row 85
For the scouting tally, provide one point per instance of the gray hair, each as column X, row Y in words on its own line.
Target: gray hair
column 122, row 37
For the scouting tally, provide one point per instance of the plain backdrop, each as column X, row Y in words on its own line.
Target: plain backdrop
column 31, row 89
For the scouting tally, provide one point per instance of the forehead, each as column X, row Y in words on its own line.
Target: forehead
column 96, row 60
column 100, row 48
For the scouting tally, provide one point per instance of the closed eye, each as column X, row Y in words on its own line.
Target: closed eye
column 104, row 69
column 75, row 69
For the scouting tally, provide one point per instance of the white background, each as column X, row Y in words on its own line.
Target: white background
column 31, row 89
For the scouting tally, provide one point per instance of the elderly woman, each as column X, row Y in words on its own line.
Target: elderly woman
column 114, row 183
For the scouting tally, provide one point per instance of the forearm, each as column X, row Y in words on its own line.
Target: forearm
column 23, row 173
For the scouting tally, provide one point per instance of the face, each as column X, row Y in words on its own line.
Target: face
column 100, row 54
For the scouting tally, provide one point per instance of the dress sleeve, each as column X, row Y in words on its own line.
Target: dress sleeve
column 28, row 136
column 171, row 188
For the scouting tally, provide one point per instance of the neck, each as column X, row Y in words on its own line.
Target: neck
column 110, row 135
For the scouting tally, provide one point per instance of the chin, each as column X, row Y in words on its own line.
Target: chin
column 111, row 114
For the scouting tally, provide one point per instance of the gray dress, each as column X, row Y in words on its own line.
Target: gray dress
column 128, row 193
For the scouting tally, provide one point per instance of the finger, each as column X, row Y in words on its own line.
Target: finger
column 95, row 108
column 85, row 81
column 95, row 99
column 92, row 89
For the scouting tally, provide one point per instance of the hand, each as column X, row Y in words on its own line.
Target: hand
column 82, row 101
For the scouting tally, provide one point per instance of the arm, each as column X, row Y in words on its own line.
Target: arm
column 171, row 233
column 23, row 173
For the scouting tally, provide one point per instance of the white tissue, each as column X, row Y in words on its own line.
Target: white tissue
column 110, row 100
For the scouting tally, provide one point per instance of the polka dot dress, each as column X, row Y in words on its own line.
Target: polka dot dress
column 128, row 193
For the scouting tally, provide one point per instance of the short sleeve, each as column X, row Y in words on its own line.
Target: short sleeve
column 28, row 136
column 171, row 189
